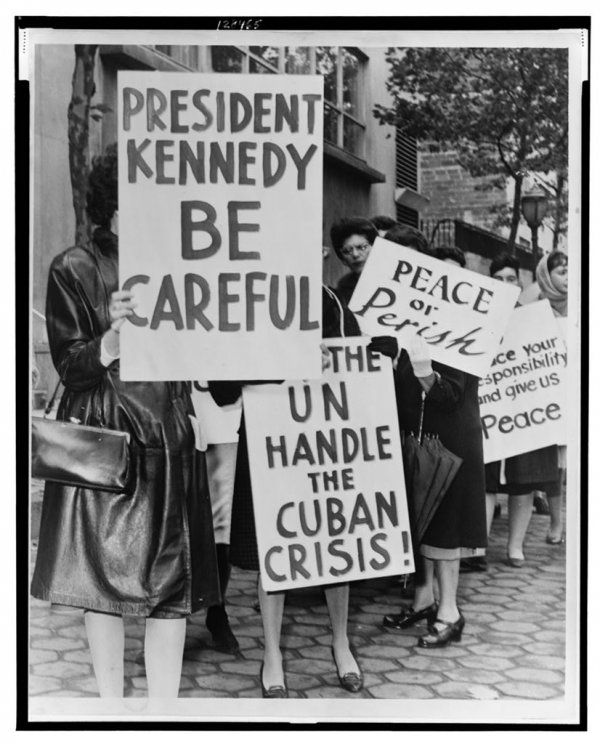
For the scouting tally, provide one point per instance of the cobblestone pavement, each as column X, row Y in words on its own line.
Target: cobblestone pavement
column 513, row 646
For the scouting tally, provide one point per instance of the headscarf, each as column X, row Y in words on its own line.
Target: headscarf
column 558, row 299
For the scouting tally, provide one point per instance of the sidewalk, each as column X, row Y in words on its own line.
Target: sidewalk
column 513, row 645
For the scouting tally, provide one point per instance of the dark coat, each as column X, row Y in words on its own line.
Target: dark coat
column 452, row 412
column 149, row 553
column 243, row 551
column 346, row 286
column 532, row 471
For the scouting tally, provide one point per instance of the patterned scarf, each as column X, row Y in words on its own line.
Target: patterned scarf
column 558, row 300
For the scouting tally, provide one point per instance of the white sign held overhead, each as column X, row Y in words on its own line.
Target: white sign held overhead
column 459, row 313
column 215, row 174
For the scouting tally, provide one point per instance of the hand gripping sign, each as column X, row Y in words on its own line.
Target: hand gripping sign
column 216, row 173
column 522, row 397
column 459, row 313
column 327, row 477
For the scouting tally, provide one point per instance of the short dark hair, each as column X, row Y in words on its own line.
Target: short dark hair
column 504, row 261
column 409, row 236
column 351, row 226
column 557, row 258
column 103, row 188
column 451, row 252
column 383, row 222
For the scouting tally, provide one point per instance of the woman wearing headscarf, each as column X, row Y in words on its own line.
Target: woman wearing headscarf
column 552, row 276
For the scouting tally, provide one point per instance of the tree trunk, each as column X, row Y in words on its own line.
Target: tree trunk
column 559, row 208
column 82, row 90
column 516, row 214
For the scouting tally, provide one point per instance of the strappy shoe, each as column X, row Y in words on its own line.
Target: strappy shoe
column 350, row 681
column 436, row 637
column 275, row 691
column 407, row 618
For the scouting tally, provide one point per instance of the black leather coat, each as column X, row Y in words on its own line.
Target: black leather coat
column 149, row 553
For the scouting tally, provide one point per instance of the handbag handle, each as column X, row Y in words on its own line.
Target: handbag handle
column 421, row 416
column 50, row 404
column 340, row 308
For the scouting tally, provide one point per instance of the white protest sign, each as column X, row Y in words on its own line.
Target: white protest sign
column 327, row 476
column 220, row 221
column 522, row 398
column 459, row 313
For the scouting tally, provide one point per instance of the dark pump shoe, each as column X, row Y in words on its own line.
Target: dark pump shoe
column 437, row 637
column 350, row 681
column 475, row 564
column 275, row 691
column 217, row 623
column 409, row 617
column 515, row 562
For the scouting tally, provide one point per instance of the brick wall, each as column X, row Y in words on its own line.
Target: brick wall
column 452, row 191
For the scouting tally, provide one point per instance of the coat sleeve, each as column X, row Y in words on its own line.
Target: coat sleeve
column 448, row 391
column 74, row 329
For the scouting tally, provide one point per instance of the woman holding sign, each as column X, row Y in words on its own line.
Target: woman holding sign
column 337, row 321
column 148, row 552
column 552, row 275
column 446, row 401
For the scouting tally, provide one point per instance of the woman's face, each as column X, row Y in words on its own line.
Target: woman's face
column 559, row 277
column 354, row 252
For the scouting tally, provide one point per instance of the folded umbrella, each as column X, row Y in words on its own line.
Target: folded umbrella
column 429, row 469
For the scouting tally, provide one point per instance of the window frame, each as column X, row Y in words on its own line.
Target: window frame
column 338, row 105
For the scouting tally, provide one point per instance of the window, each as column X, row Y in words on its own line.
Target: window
column 343, row 70
column 185, row 54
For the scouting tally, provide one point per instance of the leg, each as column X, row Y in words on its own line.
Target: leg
column 220, row 463
column 163, row 650
column 423, row 604
column 449, row 623
column 555, row 505
column 490, row 506
column 447, row 573
column 519, row 515
column 216, row 616
column 271, row 608
column 337, row 603
column 106, row 638
column 424, row 596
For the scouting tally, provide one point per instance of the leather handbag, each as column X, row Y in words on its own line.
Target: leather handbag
column 78, row 455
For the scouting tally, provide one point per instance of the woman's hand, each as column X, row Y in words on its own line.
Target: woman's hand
column 325, row 357
column 120, row 307
column 420, row 358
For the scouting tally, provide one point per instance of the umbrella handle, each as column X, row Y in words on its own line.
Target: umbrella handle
column 423, row 394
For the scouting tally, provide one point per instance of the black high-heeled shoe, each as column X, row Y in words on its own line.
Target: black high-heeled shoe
column 275, row 691
column 350, row 681
column 437, row 638
column 409, row 617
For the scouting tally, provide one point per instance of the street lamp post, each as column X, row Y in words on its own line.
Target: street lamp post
column 534, row 206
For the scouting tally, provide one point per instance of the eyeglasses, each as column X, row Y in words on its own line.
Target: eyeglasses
column 349, row 250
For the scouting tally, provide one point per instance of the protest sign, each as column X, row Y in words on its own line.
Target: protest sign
column 220, row 219
column 459, row 313
column 327, row 477
column 522, row 398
